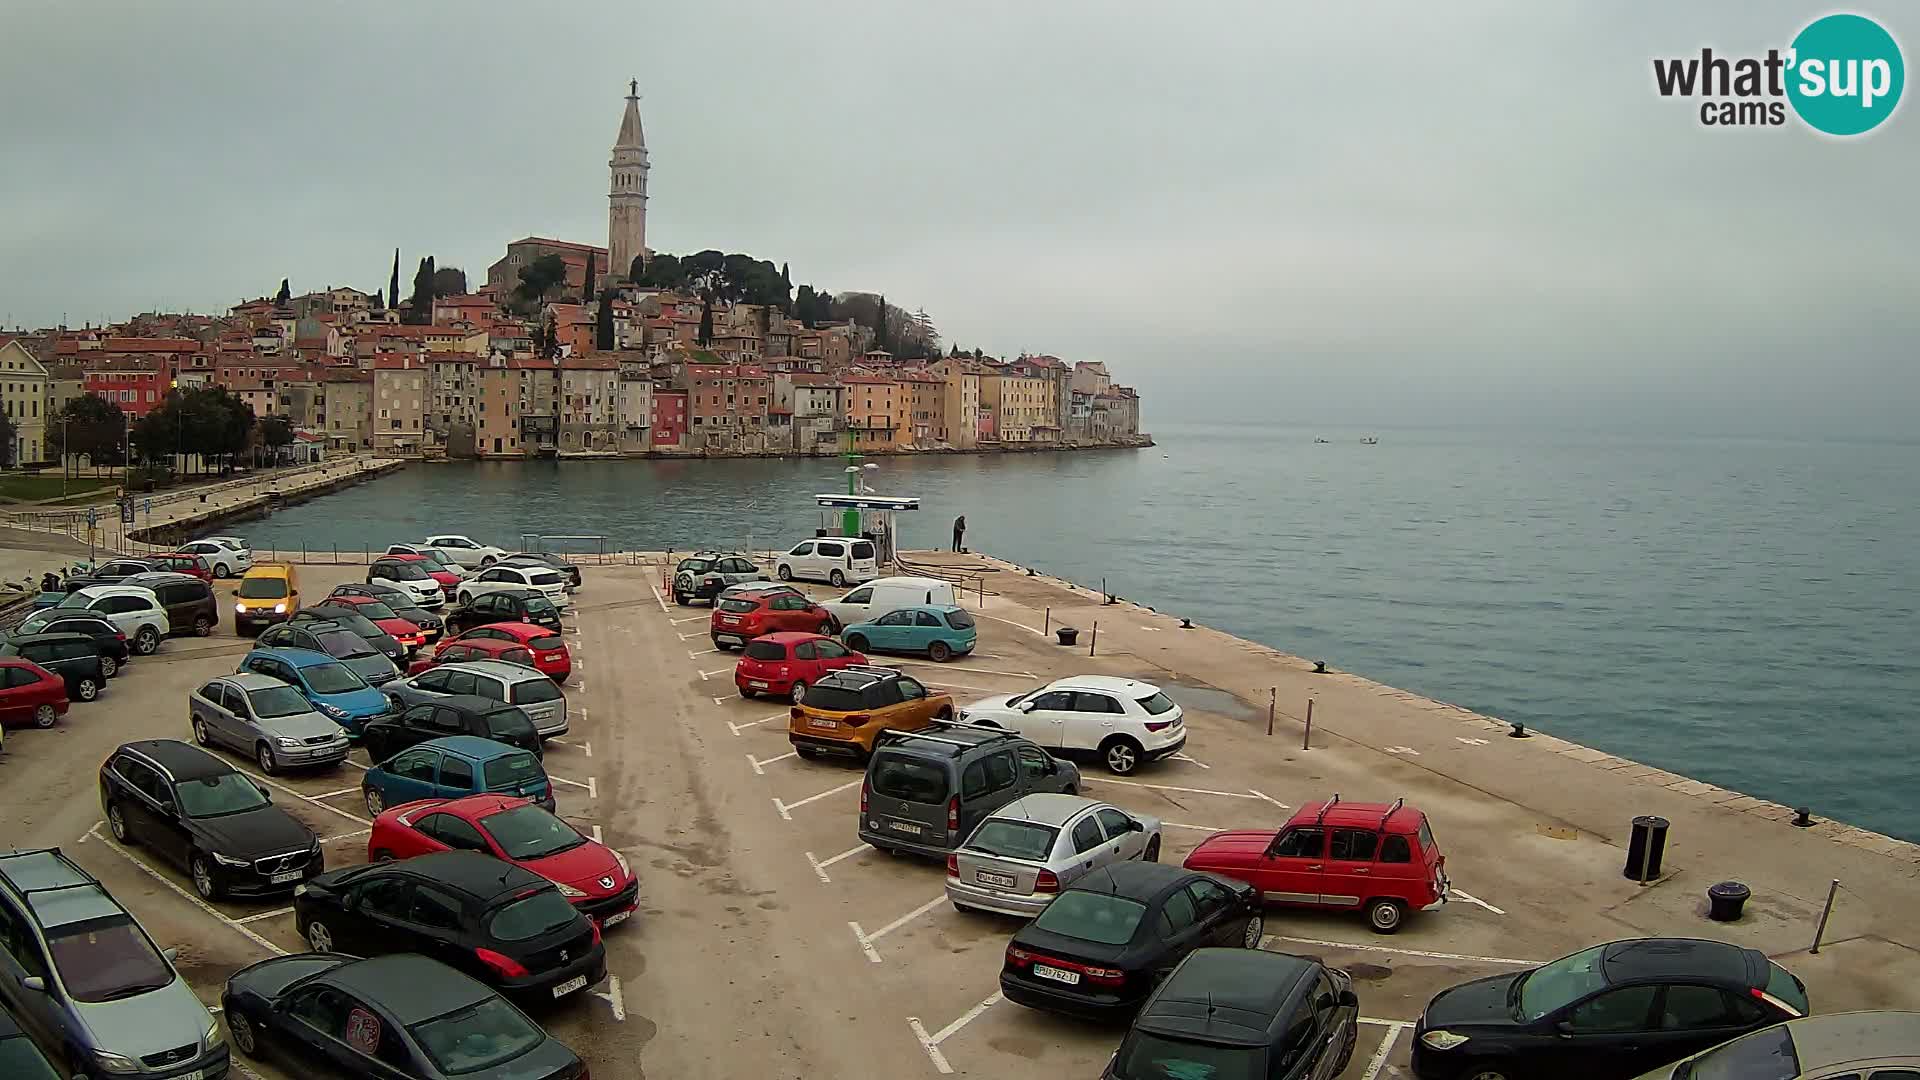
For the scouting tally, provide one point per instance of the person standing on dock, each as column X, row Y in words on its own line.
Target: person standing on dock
column 959, row 531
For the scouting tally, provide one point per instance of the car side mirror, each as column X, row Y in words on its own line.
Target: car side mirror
column 1349, row 1000
column 1026, row 706
column 1565, row 1028
column 1133, row 825
column 170, row 955
column 35, row 983
column 265, row 793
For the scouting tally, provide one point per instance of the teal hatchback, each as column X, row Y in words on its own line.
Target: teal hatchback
column 453, row 767
column 941, row 633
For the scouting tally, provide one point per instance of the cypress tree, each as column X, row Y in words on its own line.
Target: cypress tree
column 285, row 293
column 586, row 288
column 393, row 286
column 603, row 322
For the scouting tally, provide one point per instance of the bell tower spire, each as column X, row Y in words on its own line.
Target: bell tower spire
column 627, row 192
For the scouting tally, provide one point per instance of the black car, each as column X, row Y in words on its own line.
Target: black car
column 1247, row 1013
column 336, row 640
column 1606, row 1013
column 192, row 607
column 390, row 1016
column 20, row 1059
column 73, row 657
column 499, row 923
column 1106, row 941
column 110, row 572
column 460, row 714
column 201, row 814
column 547, row 559
column 506, row 605
column 108, row 639
column 346, row 616
column 398, row 602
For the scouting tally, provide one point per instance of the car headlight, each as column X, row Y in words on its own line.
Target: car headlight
column 279, row 609
column 213, row 1037
column 288, row 744
column 240, row 609
column 1443, row 1040
column 570, row 892
column 622, row 860
column 300, row 889
column 114, row 1063
column 225, row 860
column 334, row 711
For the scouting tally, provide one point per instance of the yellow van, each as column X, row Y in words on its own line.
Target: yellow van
column 268, row 594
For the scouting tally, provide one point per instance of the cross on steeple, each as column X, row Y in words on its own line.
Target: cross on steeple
column 633, row 88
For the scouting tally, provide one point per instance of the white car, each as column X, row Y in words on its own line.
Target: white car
column 412, row 578
column 228, row 556
column 136, row 611
column 888, row 594
column 1123, row 721
column 431, row 554
column 464, row 550
column 836, row 560
column 517, row 576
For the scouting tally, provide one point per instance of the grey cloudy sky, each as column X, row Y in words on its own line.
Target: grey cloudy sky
column 1367, row 212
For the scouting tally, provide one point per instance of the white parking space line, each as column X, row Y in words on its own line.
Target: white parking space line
column 331, row 794
column 820, row 868
column 1195, row 828
column 591, row 787
column 759, row 767
column 688, row 637
column 345, row 836
column 716, row 671
column 693, row 618
column 584, row 747
column 1379, row 1059
column 596, row 835
column 1458, row 894
column 962, row 667
column 738, row 728
column 1402, row 952
column 931, row 1043
column 1188, row 790
column 274, row 914
column 192, row 899
column 309, row 799
column 661, row 600
column 866, row 940
column 721, row 700
column 1034, row 630
column 355, row 764
column 691, row 655
column 1191, row 761
column 1271, row 799
column 786, row 807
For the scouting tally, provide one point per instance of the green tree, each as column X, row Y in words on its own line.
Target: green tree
column 537, row 278
column 379, row 300
column 550, row 339
column 660, row 272
column 420, row 304
column 586, row 280
column 393, row 285
column 284, row 294
column 88, row 425
column 276, row 433
column 449, row 281
column 9, row 441
column 603, row 323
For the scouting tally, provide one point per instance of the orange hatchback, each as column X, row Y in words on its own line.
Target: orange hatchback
column 848, row 709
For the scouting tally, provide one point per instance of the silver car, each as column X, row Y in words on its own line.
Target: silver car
column 495, row 680
column 1837, row 1046
column 1024, row 853
column 267, row 720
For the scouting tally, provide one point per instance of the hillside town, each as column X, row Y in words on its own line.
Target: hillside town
column 576, row 350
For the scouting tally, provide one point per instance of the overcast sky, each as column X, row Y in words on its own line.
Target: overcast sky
column 1387, row 213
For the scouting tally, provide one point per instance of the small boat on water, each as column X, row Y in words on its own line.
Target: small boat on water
column 1370, row 441
column 1318, row 440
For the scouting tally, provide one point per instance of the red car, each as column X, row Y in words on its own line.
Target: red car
column 30, row 694
column 784, row 665
column 549, row 649
column 184, row 562
column 593, row 876
column 444, row 578
column 453, row 652
column 1339, row 856
column 742, row 614
column 379, row 614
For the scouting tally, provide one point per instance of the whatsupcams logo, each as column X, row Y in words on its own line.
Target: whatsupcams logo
column 1842, row 76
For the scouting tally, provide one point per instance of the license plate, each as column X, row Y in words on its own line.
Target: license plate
column 1071, row 978
column 616, row 918
column 578, row 982
column 907, row 827
column 194, row 1075
column 830, row 725
column 988, row 877
column 757, row 684
column 554, row 657
column 728, row 620
column 282, row 879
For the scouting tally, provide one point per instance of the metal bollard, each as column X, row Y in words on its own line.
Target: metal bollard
column 1095, row 639
column 1826, row 911
column 1046, row 624
column 1306, row 737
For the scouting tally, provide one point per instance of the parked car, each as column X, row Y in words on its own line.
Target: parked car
column 1863, row 1045
column 30, row 694
column 136, row 611
column 398, row 1015
column 387, row 593
column 928, row 790
column 184, row 562
column 189, row 601
column 442, row 576
column 547, row 648
column 109, row 572
column 549, row 560
column 109, row 639
column 846, row 710
column 19, row 1057
column 785, row 665
column 507, row 605
column 462, row 651
column 493, row 920
column 268, row 594
column 439, row 558
column 1019, row 856
column 1247, row 1013
column 514, row 578
column 1123, row 723
column 73, row 657
column 100, row 993
column 593, row 877
column 938, row 633
column 381, row 637
column 410, row 574
column 405, row 632
column 701, row 575
column 834, row 560
column 1108, row 939
column 381, row 607
column 452, row 767
column 206, row 817
column 464, row 550
column 267, row 720
column 739, row 617
column 227, row 555
column 514, row 684
column 1611, row 1011
column 460, row 714
column 882, row 595
column 331, row 686
column 335, row 640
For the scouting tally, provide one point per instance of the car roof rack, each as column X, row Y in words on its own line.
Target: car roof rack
column 1391, row 810
column 1321, row 817
column 982, row 735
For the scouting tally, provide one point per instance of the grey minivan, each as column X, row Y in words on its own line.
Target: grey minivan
column 495, row 680
column 267, row 720
column 927, row 790
column 81, row 975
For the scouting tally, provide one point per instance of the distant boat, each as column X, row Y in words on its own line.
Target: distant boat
column 1322, row 440
column 1370, row 441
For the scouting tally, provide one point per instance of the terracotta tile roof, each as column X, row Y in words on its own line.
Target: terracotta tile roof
column 149, row 345
column 590, row 362
column 398, row 363
column 564, row 244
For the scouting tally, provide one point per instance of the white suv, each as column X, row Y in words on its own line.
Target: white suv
column 134, row 610
column 837, row 560
column 464, row 550
column 227, row 556
column 1123, row 721
column 553, row 583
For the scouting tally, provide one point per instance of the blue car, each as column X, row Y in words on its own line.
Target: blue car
column 939, row 632
column 454, row 767
column 332, row 687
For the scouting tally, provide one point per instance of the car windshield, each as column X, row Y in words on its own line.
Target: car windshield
column 75, row 600
column 476, row 1037
column 1092, row 916
column 959, row 620
column 405, row 571
column 529, row 917
column 1157, row 703
column 342, row 645
column 434, row 557
column 1014, row 839
column 535, row 692
column 213, row 796
column 332, row 679
column 1785, row 987
column 513, row 771
column 348, row 618
column 528, row 832
column 835, row 699
column 762, row 649
column 1151, row 1057
column 1767, row 1054
column 263, row 588
column 508, row 723
column 908, row 779
column 1561, row 983
column 546, row 579
column 540, row 605
column 374, row 609
column 696, row 566
column 277, row 701
column 737, row 606
column 107, row 959
column 546, row 642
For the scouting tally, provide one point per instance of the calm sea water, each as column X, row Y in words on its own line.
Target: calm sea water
column 1741, row 611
